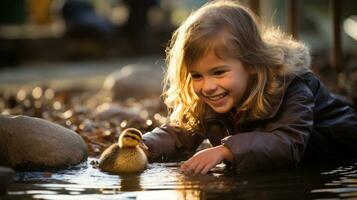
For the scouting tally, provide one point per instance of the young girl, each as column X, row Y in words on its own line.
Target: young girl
column 249, row 90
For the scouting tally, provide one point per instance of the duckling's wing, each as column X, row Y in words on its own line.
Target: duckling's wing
column 108, row 157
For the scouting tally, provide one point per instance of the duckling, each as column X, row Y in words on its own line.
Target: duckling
column 126, row 155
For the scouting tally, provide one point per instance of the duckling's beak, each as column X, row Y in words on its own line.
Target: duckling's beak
column 143, row 146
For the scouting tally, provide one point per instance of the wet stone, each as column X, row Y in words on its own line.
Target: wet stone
column 29, row 143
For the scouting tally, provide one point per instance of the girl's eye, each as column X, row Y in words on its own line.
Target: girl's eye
column 196, row 76
column 218, row 73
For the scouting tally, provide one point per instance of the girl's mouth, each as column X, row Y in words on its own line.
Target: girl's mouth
column 217, row 97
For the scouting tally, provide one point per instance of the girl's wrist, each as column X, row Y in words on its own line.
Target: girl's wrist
column 226, row 153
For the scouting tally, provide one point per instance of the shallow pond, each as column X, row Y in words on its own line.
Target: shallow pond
column 164, row 181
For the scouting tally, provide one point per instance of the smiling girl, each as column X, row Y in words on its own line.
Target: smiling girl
column 249, row 91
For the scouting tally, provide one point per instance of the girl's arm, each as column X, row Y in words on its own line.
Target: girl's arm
column 166, row 141
column 283, row 140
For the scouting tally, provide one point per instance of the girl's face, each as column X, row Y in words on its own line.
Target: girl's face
column 221, row 83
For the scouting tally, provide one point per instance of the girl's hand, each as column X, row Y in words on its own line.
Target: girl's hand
column 206, row 159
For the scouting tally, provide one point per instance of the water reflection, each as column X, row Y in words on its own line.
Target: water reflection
column 164, row 181
column 344, row 185
column 145, row 195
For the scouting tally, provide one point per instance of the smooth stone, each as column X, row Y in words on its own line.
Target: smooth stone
column 134, row 81
column 109, row 110
column 29, row 143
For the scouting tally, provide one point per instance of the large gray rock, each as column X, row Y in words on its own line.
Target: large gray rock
column 30, row 143
column 134, row 81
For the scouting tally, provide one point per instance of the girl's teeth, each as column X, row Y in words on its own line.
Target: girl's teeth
column 217, row 97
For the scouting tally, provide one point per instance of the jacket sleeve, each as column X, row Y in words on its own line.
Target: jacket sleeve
column 283, row 140
column 165, row 141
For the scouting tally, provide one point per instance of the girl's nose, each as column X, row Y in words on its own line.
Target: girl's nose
column 209, row 86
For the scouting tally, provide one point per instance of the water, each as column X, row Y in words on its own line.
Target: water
column 164, row 181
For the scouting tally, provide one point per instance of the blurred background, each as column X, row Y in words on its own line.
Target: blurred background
column 61, row 39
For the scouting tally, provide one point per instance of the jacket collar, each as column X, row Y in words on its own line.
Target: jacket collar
column 277, row 103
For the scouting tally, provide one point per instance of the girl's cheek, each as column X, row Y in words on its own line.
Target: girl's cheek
column 197, row 92
column 195, row 88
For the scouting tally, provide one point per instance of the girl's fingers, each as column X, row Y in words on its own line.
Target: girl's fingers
column 195, row 167
column 199, row 168
column 189, row 166
column 185, row 167
column 206, row 169
column 200, row 163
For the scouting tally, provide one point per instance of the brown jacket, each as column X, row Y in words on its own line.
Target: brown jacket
column 307, row 122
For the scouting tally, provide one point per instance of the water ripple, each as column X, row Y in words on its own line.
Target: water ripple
column 344, row 184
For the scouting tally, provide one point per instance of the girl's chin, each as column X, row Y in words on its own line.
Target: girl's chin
column 221, row 109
